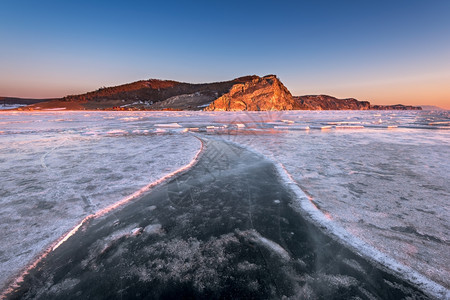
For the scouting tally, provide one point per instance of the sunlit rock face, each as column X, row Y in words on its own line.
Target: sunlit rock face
column 261, row 93
column 325, row 102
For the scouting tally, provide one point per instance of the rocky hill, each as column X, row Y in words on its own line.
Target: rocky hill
column 325, row 102
column 243, row 93
column 396, row 107
column 152, row 94
column 266, row 93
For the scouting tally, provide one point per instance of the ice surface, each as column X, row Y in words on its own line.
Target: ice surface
column 223, row 235
column 389, row 188
column 384, row 179
column 57, row 168
column 323, row 220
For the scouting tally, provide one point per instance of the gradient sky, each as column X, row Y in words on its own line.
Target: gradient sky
column 386, row 52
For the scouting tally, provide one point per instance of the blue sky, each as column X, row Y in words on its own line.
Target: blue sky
column 381, row 51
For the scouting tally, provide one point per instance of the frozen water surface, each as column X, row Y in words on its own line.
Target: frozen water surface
column 57, row 168
column 219, row 234
column 387, row 186
column 381, row 175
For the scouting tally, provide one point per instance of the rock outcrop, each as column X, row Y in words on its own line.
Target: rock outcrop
column 195, row 101
column 266, row 93
column 325, row 102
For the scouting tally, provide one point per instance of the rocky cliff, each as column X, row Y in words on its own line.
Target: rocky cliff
column 325, row 102
column 261, row 93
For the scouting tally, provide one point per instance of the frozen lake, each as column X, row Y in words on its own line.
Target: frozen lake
column 380, row 175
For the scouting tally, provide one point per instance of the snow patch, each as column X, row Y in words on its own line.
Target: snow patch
column 116, row 132
column 169, row 125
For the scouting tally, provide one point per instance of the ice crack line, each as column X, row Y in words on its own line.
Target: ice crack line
column 43, row 157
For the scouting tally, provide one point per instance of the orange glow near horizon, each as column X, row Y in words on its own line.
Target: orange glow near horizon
column 432, row 90
column 428, row 91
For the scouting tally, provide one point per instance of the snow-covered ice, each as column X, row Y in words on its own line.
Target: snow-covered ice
column 386, row 187
column 54, row 174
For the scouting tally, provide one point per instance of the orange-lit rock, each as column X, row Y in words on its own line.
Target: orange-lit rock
column 266, row 93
